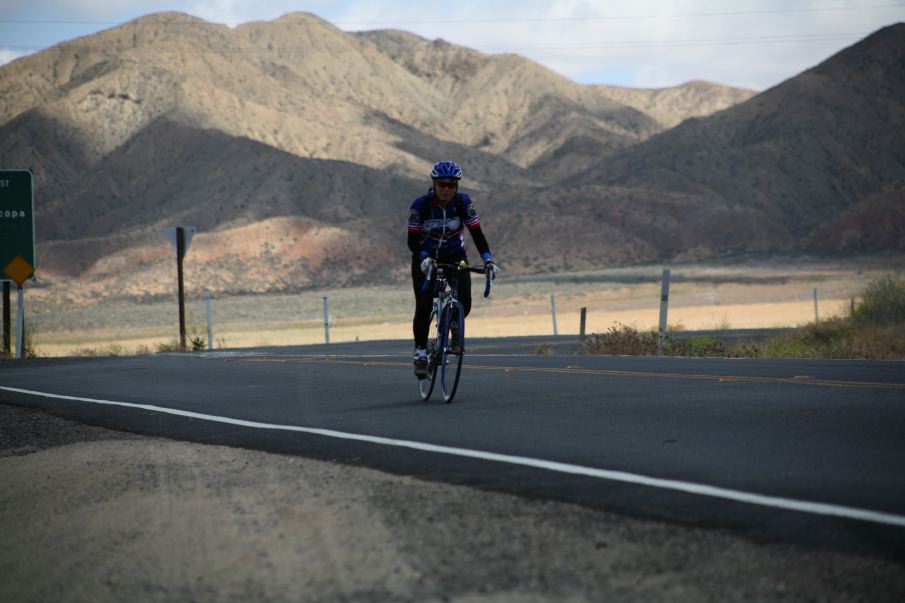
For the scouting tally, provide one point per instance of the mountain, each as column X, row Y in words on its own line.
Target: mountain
column 794, row 168
column 672, row 106
column 295, row 149
column 169, row 120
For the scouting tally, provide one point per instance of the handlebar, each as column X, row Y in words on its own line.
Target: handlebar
column 476, row 269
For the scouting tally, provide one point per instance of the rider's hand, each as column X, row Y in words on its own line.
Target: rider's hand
column 426, row 265
column 490, row 267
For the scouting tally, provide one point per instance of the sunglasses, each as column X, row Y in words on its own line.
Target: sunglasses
column 445, row 184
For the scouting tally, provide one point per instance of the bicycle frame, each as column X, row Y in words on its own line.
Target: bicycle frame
column 447, row 292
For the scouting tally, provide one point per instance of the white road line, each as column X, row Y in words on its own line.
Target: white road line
column 803, row 506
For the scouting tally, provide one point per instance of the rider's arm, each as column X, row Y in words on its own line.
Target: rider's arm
column 473, row 223
column 480, row 241
column 414, row 230
column 414, row 243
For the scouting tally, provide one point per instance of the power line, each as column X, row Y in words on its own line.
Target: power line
column 508, row 20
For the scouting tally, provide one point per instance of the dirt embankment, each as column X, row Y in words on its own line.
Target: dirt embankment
column 88, row 514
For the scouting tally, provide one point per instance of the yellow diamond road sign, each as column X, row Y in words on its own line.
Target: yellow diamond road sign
column 19, row 270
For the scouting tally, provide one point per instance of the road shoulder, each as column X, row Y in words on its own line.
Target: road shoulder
column 93, row 514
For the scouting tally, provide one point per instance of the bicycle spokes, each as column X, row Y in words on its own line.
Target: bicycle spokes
column 426, row 385
column 452, row 349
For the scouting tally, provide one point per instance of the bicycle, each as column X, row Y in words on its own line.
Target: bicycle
column 446, row 349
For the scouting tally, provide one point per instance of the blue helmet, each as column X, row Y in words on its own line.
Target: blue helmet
column 446, row 169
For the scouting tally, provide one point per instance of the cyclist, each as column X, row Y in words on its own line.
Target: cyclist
column 436, row 232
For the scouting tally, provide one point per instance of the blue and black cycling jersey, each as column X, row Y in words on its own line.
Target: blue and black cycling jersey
column 439, row 232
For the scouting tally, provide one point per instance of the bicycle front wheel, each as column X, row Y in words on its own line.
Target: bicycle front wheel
column 452, row 349
column 426, row 385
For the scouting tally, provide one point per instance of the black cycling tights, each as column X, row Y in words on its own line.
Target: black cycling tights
column 424, row 301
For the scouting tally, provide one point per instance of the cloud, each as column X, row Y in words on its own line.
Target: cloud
column 233, row 12
column 645, row 43
column 89, row 8
column 654, row 42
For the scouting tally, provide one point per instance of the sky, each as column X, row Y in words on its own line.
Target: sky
column 641, row 43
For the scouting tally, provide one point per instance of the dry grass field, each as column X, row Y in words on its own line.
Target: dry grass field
column 746, row 295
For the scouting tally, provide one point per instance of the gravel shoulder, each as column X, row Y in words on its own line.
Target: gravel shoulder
column 89, row 514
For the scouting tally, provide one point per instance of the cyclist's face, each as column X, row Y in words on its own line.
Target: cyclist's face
column 445, row 189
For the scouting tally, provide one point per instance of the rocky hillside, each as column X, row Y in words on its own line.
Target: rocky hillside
column 295, row 149
column 672, row 106
column 804, row 166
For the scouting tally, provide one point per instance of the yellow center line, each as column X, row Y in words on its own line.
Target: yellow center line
column 798, row 380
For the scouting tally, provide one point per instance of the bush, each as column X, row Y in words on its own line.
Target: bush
column 621, row 340
column 194, row 343
column 197, row 339
column 199, row 344
column 629, row 341
column 874, row 331
column 29, row 349
column 882, row 303
column 695, row 346
column 839, row 338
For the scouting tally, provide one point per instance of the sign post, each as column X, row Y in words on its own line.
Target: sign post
column 6, row 324
column 181, row 238
column 17, row 245
column 664, row 307
column 20, row 322
column 326, row 322
column 210, row 319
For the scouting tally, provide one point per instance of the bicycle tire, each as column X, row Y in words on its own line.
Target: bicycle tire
column 426, row 386
column 453, row 339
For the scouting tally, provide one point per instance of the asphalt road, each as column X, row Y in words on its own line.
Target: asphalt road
column 782, row 450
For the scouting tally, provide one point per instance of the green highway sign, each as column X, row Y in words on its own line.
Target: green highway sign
column 17, row 221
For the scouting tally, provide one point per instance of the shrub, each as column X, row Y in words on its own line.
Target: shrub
column 840, row 340
column 29, row 349
column 874, row 331
column 197, row 339
column 625, row 340
column 622, row 340
column 882, row 303
column 695, row 346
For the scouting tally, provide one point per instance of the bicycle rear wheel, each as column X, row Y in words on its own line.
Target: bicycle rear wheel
column 427, row 385
column 452, row 348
